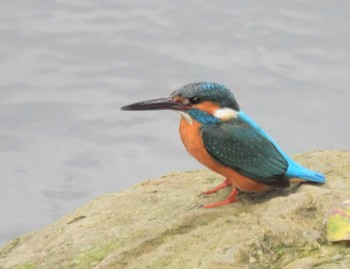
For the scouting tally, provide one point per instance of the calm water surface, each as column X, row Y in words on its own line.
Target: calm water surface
column 67, row 66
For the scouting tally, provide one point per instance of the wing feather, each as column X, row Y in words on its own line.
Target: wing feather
column 238, row 145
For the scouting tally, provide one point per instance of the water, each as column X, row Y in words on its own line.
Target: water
column 67, row 66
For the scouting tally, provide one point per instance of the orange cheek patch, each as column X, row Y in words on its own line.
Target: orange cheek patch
column 178, row 99
column 208, row 107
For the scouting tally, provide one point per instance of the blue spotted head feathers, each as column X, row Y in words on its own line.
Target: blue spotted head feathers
column 205, row 91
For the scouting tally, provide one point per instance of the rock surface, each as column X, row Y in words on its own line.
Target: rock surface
column 158, row 224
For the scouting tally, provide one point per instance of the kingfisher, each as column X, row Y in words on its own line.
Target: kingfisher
column 217, row 133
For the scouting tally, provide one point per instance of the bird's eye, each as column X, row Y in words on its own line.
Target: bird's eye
column 194, row 100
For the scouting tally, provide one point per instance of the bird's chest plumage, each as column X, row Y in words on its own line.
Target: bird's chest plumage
column 190, row 132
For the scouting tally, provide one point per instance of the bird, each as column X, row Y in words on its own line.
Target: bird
column 218, row 134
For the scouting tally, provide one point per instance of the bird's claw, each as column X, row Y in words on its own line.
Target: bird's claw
column 203, row 194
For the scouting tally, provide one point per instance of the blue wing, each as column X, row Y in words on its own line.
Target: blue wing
column 295, row 170
column 238, row 145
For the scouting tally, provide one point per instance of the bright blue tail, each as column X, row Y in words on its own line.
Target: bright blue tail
column 295, row 170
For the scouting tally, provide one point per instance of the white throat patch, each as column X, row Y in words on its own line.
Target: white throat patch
column 226, row 113
column 187, row 117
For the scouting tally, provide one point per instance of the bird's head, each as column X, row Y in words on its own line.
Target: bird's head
column 203, row 101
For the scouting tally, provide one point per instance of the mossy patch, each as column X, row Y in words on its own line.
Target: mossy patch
column 26, row 265
column 91, row 257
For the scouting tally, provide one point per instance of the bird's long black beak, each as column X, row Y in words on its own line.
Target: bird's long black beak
column 156, row 104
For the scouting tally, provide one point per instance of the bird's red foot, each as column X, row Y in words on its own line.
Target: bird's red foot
column 229, row 200
column 224, row 184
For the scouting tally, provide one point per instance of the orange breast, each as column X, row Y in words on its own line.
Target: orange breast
column 191, row 137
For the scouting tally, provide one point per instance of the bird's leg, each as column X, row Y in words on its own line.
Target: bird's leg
column 229, row 200
column 224, row 184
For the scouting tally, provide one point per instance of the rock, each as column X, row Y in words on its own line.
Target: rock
column 158, row 224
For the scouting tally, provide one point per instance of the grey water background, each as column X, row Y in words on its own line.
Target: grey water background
column 66, row 67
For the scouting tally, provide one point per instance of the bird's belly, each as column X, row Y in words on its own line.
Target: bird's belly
column 191, row 138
